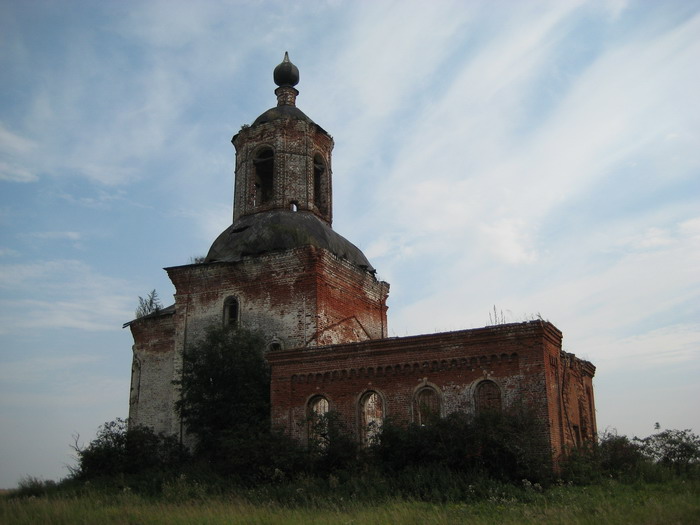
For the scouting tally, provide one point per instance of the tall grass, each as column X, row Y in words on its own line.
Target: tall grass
column 609, row 503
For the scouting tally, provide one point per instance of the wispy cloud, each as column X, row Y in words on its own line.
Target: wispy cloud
column 61, row 294
column 12, row 148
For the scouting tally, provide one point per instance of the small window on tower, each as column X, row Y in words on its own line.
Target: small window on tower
column 264, row 176
column 231, row 312
column 320, row 184
column 293, row 206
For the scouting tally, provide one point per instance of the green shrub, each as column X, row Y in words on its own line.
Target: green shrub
column 505, row 446
column 225, row 391
column 675, row 449
column 334, row 447
column 122, row 449
column 32, row 487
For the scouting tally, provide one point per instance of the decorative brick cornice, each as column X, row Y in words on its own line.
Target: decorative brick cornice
column 445, row 342
column 404, row 368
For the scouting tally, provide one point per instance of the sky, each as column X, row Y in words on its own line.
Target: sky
column 510, row 159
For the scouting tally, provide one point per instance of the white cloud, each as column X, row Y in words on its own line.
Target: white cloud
column 11, row 147
column 61, row 294
column 508, row 240
column 666, row 346
column 14, row 173
column 13, row 143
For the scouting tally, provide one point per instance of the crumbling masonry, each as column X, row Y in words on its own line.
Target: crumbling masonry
column 280, row 269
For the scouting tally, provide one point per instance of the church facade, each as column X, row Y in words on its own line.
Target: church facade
column 281, row 270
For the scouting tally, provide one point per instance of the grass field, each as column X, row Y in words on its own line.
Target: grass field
column 675, row 502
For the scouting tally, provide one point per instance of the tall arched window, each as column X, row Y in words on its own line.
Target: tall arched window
column 231, row 312
column 320, row 190
column 487, row 397
column 264, row 176
column 317, row 411
column 426, row 405
column 371, row 417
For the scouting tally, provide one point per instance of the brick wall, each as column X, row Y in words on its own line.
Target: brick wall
column 295, row 143
column 512, row 356
column 151, row 396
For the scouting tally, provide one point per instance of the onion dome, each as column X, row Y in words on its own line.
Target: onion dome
column 286, row 74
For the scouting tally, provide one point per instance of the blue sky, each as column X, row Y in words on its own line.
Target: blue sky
column 539, row 157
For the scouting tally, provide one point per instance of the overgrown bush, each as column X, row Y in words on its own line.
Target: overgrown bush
column 122, row 449
column 619, row 456
column 655, row 458
column 612, row 456
column 676, row 449
column 32, row 487
column 505, row 446
column 332, row 447
column 224, row 390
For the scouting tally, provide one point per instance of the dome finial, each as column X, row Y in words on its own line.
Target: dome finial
column 286, row 74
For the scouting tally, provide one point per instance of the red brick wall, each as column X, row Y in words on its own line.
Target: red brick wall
column 296, row 296
column 512, row 356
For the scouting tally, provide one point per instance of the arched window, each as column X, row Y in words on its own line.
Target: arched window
column 320, row 190
column 371, row 417
column 487, row 397
column 317, row 411
column 264, row 176
column 231, row 312
column 426, row 405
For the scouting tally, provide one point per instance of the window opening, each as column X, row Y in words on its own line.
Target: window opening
column 319, row 184
column 582, row 419
column 293, row 206
column 231, row 311
column 577, row 435
column 318, row 421
column 487, row 397
column 372, row 416
column 264, row 176
column 427, row 406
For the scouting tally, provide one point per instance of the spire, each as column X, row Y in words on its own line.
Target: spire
column 286, row 76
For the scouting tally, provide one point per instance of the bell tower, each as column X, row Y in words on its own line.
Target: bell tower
column 283, row 160
column 279, row 269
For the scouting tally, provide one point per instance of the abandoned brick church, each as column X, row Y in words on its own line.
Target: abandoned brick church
column 280, row 269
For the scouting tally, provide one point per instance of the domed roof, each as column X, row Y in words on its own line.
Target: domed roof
column 282, row 112
column 286, row 73
column 279, row 230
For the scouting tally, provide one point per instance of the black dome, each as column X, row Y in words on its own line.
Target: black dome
column 280, row 230
column 281, row 112
column 286, row 73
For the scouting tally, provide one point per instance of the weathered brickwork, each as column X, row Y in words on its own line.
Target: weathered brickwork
column 281, row 270
column 294, row 298
column 513, row 356
column 152, row 397
column 295, row 143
